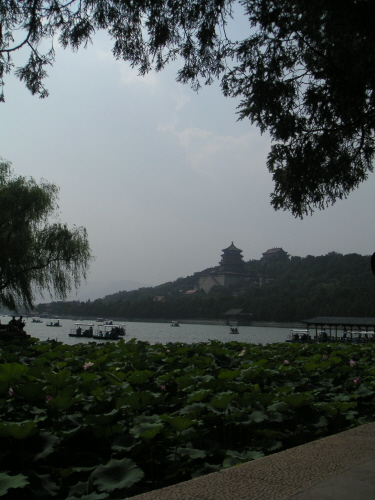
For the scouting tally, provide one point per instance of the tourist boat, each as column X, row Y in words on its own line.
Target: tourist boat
column 109, row 332
column 36, row 320
column 301, row 336
column 55, row 322
column 82, row 330
column 99, row 320
column 323, row 336
column 361, row 337
column 233, row 330
column 175, row 323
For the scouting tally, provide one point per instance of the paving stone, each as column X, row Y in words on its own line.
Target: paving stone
column 340, row 466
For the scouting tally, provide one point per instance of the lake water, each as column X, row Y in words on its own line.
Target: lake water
column 161, row 332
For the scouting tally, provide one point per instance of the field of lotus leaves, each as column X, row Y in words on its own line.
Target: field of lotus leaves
column 97, row 421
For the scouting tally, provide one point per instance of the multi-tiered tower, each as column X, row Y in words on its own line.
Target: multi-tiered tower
column 231, row 270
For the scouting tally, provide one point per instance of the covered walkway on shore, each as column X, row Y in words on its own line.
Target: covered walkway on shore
column 346, row 324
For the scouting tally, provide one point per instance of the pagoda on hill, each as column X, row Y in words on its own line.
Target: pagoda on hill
column 232, row 260
column 231, row 270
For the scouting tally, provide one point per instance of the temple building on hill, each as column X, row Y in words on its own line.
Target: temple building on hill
column 274, row 254
column 231, row 270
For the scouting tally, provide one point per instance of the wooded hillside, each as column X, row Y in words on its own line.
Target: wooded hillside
column 295, row 289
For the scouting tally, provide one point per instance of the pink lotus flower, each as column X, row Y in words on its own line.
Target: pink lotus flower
column 49, row 397
column 352, row 362
column 10, row 391
column 357, row 380
column 324, row 357
column 87, row 365
column 163, row 387
column 286, row 362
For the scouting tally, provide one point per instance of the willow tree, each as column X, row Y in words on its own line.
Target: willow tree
column 305, row 72
column 36, row 256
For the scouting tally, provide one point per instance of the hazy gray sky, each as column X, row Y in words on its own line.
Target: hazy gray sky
column 162, row 178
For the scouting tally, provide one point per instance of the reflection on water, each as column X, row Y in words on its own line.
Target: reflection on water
column 161, row 332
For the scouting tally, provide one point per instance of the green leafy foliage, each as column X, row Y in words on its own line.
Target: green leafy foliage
column 88, row 435
column 303, row 72
column 8, row 481
column 36, row 256
column 116, row 474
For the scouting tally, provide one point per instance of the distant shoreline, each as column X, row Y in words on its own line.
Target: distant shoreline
column 264, row 324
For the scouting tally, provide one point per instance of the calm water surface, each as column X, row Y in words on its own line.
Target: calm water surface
column 161, row 332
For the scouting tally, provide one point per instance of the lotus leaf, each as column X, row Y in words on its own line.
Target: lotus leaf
column 8, row 481
column 123, row 442
column 206, row 469
column 336, row 360
column 193, row 410
column 136, row 400
column 229, row 374
column 61, row 402
column 45, row 486
column 236, row 458
column 364, row 390
column 58, row 379
column 323, row 422
column 144, row 423
column 102, row 419
column 296, row 400
column 18, row 430
column 178, row 423
column 11, row 371
column 311, row 366
column 199, row 395
column 278, row 406
column 191, row 452
column 231, row 462
column 113, row 379
column 258, row 416
column 50, row 441
column 116, row 474
column 31, row 391
column 90, row 496
column 140, row 377
column 222, row 400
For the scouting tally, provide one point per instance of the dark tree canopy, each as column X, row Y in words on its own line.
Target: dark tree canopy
column 35, row 255
column 305, row 73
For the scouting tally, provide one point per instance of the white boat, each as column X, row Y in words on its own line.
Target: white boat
column 36, row 320
column 301, row 336
column 82, row 330
column 110, row 332
column 360, row 337
column 175, row 323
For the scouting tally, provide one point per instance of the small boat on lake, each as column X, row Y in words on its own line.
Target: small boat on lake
column 55, row 322
column 82, row 330
column 36, row 320
column 233, row 330
column 175, row 323
column 300, row 336
column 110, row 332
